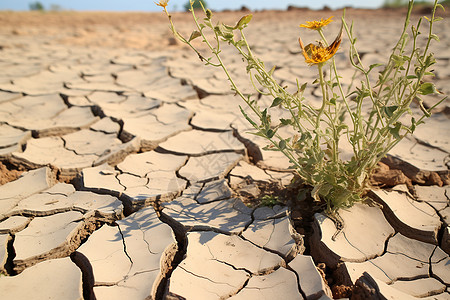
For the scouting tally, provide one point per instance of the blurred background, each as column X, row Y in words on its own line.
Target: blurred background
column 180, row 5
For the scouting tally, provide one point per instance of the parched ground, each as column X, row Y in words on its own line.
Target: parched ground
column 127, row 170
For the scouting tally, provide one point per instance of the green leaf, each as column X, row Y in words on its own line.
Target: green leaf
column 374, row 66
column 303, row 87
column 389, row 110
column 272, row 70
column 305, row 136
column 208, row 13
column 286, row 122
column 423, row 109
column 395, row 131
column 208, row 23
column 341, row 127
column 430, row 60
column 264, row 115
column 242, row 23
column 428, row 88
column 399, row 60
column 270, row 133
column 435, row 37
column 195, row 34
column 228, row 27
column 241, row 43
column 413, row 124
column 333, row 101
column 259, row 133
column 248, row 118
column 282, row 144
column 276, row 101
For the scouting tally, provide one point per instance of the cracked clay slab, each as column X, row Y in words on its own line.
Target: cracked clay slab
column 228, row 215
column 412, row 218
column 218, row 265
column 156, row 125
column 422, row 157
column 27, row 184
column 52, row 279
column 12, row 139
column 310, row 280
column 280, row 283
column 364, row 235
column 205, row 142
column 126, row 259
column 47, row 115
column 405, row 260
column 4, row 240
column 75, row 151
column 274, row 232
column 46, row 237
column 140, row 178
column 209, row 167
column 213, row 191
column 62, row 197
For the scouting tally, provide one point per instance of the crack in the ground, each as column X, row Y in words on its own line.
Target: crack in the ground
column 83, row 263
column 424, row 143
column 117, row 283
column 207, row 129
column 65, row 99
column 145, row 240
column 181, row 249
column 442, row 228
column 410, row 257
column 430, row 265
column 297, row 276
column 226, row 263
column 205, row 153
column 271, row 234
column 124, row 244
column 240, row 288
column 431, row 274
column 116, row 175
column 197, row 194
column 11, row 254
column 72, row 150
column 253, row 150
column 33, row 213
column 203, row 277
column 281, row 255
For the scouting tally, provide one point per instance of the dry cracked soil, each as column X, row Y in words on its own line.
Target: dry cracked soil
column 128, row 172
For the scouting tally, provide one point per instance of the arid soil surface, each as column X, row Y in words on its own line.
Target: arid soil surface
column 128, row 172
column 149, row 31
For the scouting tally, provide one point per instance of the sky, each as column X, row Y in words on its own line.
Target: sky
column 148, row 5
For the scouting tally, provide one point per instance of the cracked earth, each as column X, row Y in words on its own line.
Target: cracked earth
column 128, row 169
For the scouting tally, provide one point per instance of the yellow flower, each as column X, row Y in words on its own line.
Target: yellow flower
column 162, row 3
column 316, row 25
column 319, row 54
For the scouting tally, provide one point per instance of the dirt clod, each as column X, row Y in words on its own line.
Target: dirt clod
column 8, row 174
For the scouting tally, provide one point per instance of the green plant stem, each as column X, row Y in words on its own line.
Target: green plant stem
column 341, row 91
column 236, row 89
column 262, row 71
column 324, row 97
column 354, row 53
